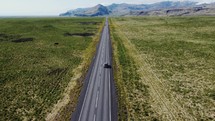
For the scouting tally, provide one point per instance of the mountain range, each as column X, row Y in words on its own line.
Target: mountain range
column 165, row 8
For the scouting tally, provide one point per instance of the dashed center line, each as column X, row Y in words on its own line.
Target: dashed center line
column 97, row 98
column 94, row 117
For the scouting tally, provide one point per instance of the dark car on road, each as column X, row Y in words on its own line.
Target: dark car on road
column 106, row 65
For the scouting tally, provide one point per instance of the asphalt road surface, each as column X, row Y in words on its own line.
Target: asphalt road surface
column 97, row 101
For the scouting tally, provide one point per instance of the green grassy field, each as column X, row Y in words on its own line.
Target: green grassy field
column 37, row 61
column 167, row 67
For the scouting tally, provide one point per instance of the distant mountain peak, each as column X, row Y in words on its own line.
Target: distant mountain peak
column 99, row 5
column 127, row 9
column 98, row 10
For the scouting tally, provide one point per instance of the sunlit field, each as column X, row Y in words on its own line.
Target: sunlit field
column 167, row 67
column 38, row 58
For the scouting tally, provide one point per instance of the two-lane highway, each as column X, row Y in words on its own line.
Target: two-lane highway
column 96, row 102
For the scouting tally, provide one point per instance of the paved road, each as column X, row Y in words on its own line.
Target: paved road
column 97, row 101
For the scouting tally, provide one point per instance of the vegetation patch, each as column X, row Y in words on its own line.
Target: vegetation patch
column 48, row 26
column 8, row 37
column 71, row 98
column 3, row 36
column 34, row 76
column 176, row 57
column 89, row 23
column 212, row 94
column 79, row 34
column 23, row 40
column 56, row 43
column 14, row 38
column 57, row 71
column 133, row 94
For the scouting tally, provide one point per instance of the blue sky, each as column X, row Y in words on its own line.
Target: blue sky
column 54, row 7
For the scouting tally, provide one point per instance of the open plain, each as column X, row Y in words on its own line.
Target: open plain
column 165, row 67
column 40, row 61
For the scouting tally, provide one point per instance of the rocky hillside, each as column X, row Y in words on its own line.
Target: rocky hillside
column 198, row 10
column 166, row 8
column 98, row 10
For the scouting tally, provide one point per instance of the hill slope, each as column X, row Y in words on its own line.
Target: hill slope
column 166, row 8
column 124, row 9
column 98, row 10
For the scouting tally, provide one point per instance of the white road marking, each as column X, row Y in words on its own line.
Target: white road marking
column 85, row 97
column 94, row 117
column 88, row 86
column 102, row 56
column 97, row 98
column 109, row 99
column 101, row 53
